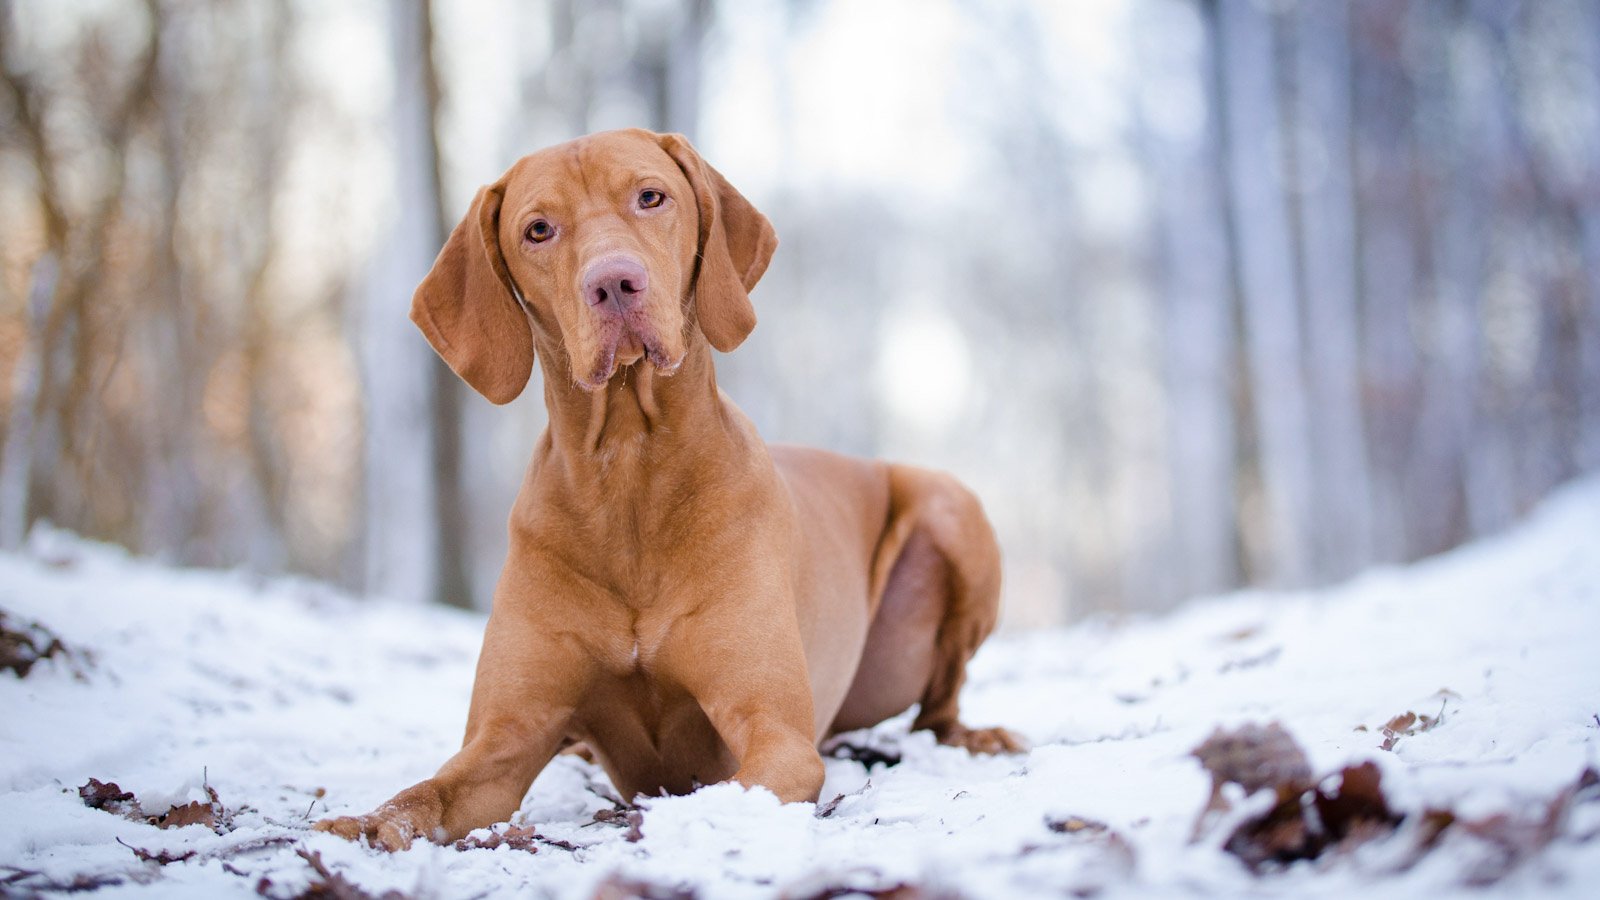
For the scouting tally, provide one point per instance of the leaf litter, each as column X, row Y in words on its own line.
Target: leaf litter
column 1347, row 808
column 24, row 644
column 111, row 798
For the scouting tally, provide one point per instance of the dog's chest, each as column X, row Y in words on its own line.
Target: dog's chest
column 646, row 726
column 636, row 676
column 631, row 648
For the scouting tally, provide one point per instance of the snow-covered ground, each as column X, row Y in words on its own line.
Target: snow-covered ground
column 292, row 702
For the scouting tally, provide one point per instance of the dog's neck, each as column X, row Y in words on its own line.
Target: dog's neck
column 640, row 456
column 639, row 406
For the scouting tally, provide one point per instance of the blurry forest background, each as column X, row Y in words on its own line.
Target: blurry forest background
column 1195, row 293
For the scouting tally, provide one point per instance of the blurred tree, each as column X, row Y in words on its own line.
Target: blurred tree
column 46, row 461
column 154, row 399
column 413, row 520
column 1191, row 256
column 1280, row 474
column 1321, row 175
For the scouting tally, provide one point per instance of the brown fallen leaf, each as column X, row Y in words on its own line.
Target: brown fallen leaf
column 195, row 813
column 1280, row 835
column 111, row 798
column 618, row 887
column 1356, row 809
column 866, row 756
column 1112, row 864
column 891, row 892
column 1401, row 723
column 1241, row 634
column 1076, row 825
column 1255, row 757
column 97, row 794
column 825, row 810
column 1349, row 809
column 33, row 884
column 515, row 837
column 1512, row 839
column 1258, row 758
column 629, row 817
column 327, row 885
column 23, row 644
column 1409, row 723
column 861, row 884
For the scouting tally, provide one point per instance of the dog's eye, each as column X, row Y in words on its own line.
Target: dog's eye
column 539, row 231
column 650, row 198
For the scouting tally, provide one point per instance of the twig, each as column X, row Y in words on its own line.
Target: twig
column 161, row 857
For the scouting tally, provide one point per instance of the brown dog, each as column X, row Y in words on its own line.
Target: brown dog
column 691, row 603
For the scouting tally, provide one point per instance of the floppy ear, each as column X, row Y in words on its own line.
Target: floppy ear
column 467, row 308
column 736, row 243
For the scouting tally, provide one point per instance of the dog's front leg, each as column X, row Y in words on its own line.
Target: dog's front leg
column 752, row 684
column 528, row 683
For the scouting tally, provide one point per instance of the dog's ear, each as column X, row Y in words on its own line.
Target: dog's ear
column 736, row 243
column 467, row 306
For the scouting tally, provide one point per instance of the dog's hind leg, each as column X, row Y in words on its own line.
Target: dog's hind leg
column 938, row 574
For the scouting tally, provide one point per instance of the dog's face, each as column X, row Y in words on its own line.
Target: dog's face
column 600, row 236
column 622, row 245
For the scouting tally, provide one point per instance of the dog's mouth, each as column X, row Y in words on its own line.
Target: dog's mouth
column 623, row 343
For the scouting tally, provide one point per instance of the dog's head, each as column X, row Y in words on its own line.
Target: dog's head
column 620, row 244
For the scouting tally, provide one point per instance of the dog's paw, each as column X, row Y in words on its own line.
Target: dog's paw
column 989, row 741
column 386, row 831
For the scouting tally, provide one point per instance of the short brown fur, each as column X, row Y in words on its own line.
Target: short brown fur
column 693, row 605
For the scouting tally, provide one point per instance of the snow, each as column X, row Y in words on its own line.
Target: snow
column 274, row 691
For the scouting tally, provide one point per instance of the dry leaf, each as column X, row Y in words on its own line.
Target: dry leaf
column 1409, row 723
column 1308, row 820
column 628, row 816
column 828, row 809
column 1076, row 825
column 1357, row 810
column 1401, row 723
column 515, row 837
column 97, row 794
column 617, row 887
column 867, row 756
column 23, row 644
column 195, row 813
column 327, row 885
column 1255, row 757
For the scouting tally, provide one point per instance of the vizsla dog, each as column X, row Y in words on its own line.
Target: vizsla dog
column 691, row 603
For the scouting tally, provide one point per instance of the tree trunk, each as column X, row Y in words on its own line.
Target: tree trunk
column 1341, row 494
column 1387, row 250
column 1196, row 298
column 1262, row 247
column 452, row 585
column 1439, row 483
column 398, row 368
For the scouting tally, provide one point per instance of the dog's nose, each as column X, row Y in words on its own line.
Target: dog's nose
column 617, row 279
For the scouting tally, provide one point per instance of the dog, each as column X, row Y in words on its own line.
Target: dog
column 690, row 603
